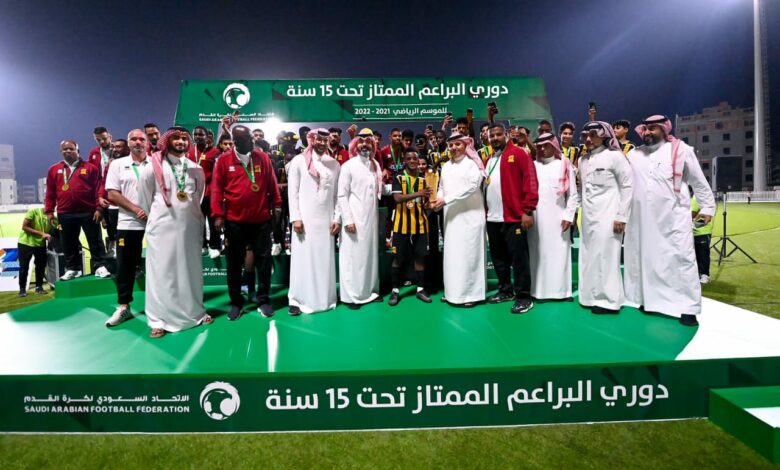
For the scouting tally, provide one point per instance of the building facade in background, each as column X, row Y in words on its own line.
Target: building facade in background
column 7, row 168
column 28, row 194
column 726, row 133
column 41, row 189
column 8, row 191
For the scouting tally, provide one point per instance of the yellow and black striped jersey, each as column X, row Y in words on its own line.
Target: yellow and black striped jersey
column 485, row 153
column 572, row 153
column 409, row 220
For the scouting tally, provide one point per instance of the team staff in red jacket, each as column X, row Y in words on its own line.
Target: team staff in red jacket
column 203, row 154
column 511, row 193
column 244, row 193
column 72, row 190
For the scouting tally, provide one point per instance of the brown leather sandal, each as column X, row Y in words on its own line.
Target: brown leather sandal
column 157, row 333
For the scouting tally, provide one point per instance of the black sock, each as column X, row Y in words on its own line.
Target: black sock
column 420, row 278
column 395, row 276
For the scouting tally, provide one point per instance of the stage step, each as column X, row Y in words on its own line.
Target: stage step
column 752, row 415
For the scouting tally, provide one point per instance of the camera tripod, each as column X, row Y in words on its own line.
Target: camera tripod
column 721, row 244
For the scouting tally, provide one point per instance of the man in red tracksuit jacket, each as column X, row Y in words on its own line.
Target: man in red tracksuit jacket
column 244, row 194
column 72, row 191
column 511, row 193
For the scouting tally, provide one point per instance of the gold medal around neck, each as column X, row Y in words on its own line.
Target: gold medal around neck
column 410, row 204
column 65, row 187
column 487, row 181
column 182, row 196
column 255, row 187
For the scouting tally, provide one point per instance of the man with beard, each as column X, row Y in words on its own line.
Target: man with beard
column 464, row 223
column 122, row 187
column 244, row 197
column 360, row 188
column 549, row 241
column 621, row 132
column 152, row 136
column 100, row 155
column 335, row 149
column 511, row 192
column 312, row 188
column 203, row 156
column 606, row 206
column 660, row 260
column 72, row 190
column 171, row 188
column 119, row 149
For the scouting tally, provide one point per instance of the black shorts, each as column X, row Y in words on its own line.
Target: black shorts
column 406, row 246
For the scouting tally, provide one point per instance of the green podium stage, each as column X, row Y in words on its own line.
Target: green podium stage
column 413, row 366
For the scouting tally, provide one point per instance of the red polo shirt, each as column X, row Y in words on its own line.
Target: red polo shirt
column 82, row 194
column 232, row 197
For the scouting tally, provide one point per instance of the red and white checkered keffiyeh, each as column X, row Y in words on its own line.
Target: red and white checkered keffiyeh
column 162, row 147
column 677, row 162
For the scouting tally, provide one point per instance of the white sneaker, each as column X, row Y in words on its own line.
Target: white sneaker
column 120, row 315
column 70, row 274
column 213, row 253
column 287, row 251
column 276, row 249
column 102, row 272
column 704, row 279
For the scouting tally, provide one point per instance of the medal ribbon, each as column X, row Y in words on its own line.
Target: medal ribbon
column 249, row 174
column 493, row 167
column 409, row 187
column 65, row 177
column 180, row 180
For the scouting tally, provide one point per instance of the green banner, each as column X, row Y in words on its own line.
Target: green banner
column 519, row 99
column 322, row 401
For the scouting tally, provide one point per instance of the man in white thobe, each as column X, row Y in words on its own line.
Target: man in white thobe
column 549, row 241
column 170, row 191
column 660, row 261
column 606, row 206
column 312, row 192
column 360, row 187
column 464, row 223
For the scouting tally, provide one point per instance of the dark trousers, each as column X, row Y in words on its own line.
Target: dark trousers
column 212, row 241
column 509, row 252
column 701, row 244
column 434, row 275
column 26, row 252
column 129, row 248
column 112, row 219
column 237, row 237
column 280, row 223
column 72, row 225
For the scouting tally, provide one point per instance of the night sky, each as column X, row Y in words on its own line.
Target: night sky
column 66, row 67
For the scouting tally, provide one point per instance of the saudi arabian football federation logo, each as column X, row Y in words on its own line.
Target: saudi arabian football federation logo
column 219, row 400
column 236, row 95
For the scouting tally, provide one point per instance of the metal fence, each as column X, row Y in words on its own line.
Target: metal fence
column 754, row 196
